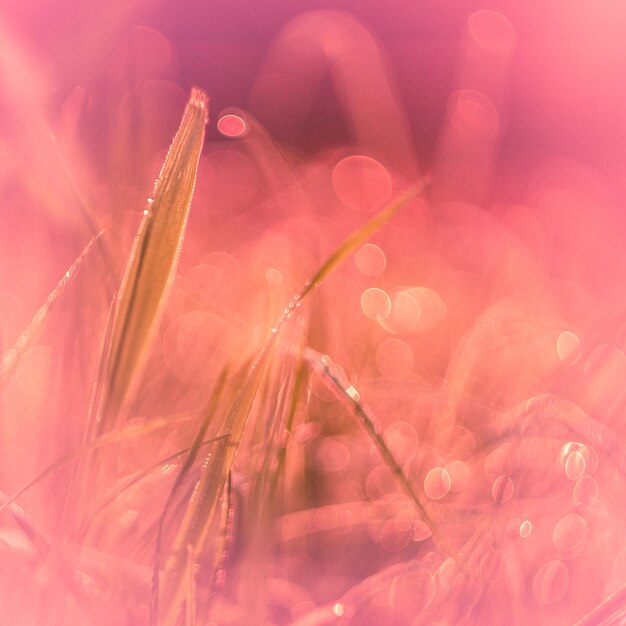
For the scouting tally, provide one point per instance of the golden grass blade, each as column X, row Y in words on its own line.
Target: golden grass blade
column 112, row 495
column 196, row 523
column 298, row 385
column 258, row 530
column 198, row 516
column 151, row 265
column 222, row 548
column 287, row 410
column 12, row 356
column 350, row 244
column 182, row 474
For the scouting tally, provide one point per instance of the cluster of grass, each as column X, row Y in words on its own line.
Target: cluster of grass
column 303, row 459
column 190, row 527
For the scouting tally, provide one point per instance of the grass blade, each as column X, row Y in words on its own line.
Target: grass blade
column 151, row 266
column 12, row 356
column 131, row 481
column 182, row 474
column 338, row 381
column 197, row 520
column 99, row 442
column 349, row 245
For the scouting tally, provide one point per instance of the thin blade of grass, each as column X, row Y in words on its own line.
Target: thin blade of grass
column 298, row 385
column 151, row 266
column 223, row 546
column 258, row 529
column 111, row 496
column 198, row 516
column 350, row 244
column 11, row 357
column 104, row 440
column 182, row 474
column 338, row 381
column 197, row 520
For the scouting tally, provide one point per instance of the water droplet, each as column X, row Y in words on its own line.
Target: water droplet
column 585, row 491
column 393, row 539
column 472, row 114
column 353, row 393
column 375, row 303
column 577, row 459
column 437, row 483
column 379, row 482
column 570, row 533
column 503, row 460
column 338, row 609
column 567, row 345
column 370, row 259
column 9, row 358
column 492, row 30
column 551, row 582
column 502, row 489
column 361, row 182
column 459, row 474
column 273, row 276
column 525, row 529
column 494, row 565
column 231, row 125
column 574, row 465
column 421, row 531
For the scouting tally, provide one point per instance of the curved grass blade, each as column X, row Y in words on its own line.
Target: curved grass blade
column 339, row 382
column 99, row 442
column 11, row 356
column 349, row 245
column 197, row 520
column 151, row 266
column 135, row 478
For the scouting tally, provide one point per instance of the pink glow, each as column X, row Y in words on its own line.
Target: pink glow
column 479, row 333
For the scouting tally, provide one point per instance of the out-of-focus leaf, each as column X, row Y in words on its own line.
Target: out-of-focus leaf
column 102, row 441
column 11, row 357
